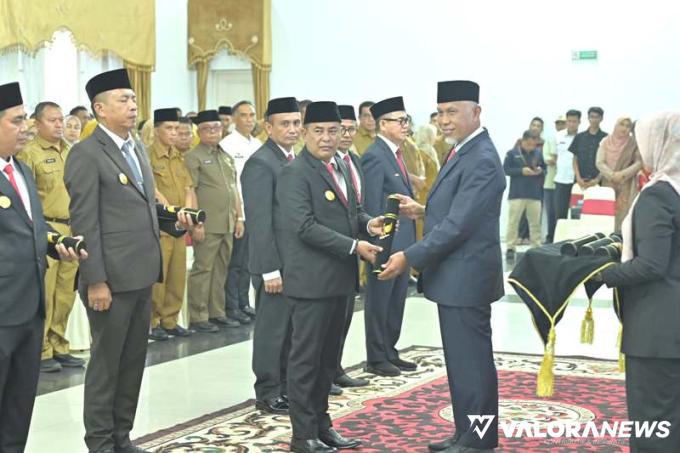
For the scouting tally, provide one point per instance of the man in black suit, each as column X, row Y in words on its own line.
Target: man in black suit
column 317, row 231
column 348, row 129
column 460, row 262
column 111, row 185
column 23, row 247
column 271, row 339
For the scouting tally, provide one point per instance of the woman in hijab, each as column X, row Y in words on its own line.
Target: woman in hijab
column 618, row 160
column 648, row 278
column 72, row 131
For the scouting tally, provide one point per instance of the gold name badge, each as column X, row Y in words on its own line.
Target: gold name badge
column 330, row 196
column 123, row 179
column 5, row 202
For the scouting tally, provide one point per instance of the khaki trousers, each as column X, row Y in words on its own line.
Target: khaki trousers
column 59, row 298
column 167, row 297
column 208, row 276
column 533, row 210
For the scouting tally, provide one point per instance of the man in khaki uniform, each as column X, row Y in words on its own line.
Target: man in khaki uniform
column 366, row 133
column 214, row 175
column 46, row 156
column 174, row 184
column 185, row 135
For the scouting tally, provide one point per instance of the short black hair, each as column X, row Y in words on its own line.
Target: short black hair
column 537, row 118
column 573, row 112
column 365, row 104
column 40, row 108
column 597, row 110
column 185, row 120
column 78, row 108
column 433, row 114
column 529, row 135
column 240, row 103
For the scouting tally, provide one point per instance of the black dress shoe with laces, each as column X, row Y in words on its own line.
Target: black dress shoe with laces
column 403, row 365
column 310, row 446
column 273, row 406
column 347, row 381
column 333, row 439
column 382, row 369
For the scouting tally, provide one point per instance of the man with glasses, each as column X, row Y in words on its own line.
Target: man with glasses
column 366, row 132
column 214, row 175
column 385, row 174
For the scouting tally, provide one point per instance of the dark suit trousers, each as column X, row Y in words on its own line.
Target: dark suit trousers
column 383, row 314
column 473, row 381
column 114, row 372
column 317, row 330
column 271, row 342
column 237, row 286
column 562, row 197
column 549, row 207
column 653, row 394
column 20, row 348
column 349, row 311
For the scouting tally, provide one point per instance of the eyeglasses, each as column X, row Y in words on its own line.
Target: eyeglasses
column 403, row 121
column 348, row 130
column 210, row 128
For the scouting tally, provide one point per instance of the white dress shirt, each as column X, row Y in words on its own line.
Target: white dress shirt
column 564, row 167
column 21, row 183
column 240, row 148
column 120, row 142
column 462, row 143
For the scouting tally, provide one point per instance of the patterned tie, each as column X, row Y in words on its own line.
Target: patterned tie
column 10, row 174
column 402, row 166
column 355, row 183
column 331, row 169
column 127, row 153
column 452, row 153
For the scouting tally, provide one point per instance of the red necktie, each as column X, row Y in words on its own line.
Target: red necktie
column 402, row 167
column 10, row 174
column 452, row 153
column 331, row 170
column 355, row 184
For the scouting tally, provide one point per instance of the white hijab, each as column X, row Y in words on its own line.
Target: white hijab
column 658, row 139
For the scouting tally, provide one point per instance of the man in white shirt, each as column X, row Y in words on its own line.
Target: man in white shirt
column 240, row 145
column 564, row 171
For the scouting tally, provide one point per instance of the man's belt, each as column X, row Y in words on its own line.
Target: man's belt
column 62, row 221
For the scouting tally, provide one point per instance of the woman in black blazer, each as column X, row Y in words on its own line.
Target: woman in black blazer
column 649, row 281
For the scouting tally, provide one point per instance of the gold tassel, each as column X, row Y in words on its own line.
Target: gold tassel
column 546, row 378
column 622, row 357
column 588, row 326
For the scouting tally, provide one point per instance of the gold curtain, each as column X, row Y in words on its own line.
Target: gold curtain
column 140, row 78
column 241, row 27
column 28, row 25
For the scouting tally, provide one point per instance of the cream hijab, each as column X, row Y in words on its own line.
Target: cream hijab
column 658, row 139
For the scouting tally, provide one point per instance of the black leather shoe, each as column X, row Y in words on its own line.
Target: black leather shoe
column 333, row 439
column 347, row 381
column 68, row 361
column 248, row 310
column 456, row 448
column 158, row 334
column 238, row 315
column 273, row 406
column 335, row 390
column 403, row 365
column 179, row 331
column 224, row 321
column 444, row 444
column 205, row 327
column 49, row 366
column 310, row 446
column 382, row 369
column 130, row 449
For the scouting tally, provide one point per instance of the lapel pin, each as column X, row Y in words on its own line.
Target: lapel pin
column 123, row 179
column 5, row 202
column 330, row 196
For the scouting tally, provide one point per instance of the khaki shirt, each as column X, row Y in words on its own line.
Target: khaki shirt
column 47, row 165
column 213, row 173
column 362, row 140
column 169, row 173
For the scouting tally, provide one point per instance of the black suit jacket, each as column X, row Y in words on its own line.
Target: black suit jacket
column 315, row 231
column 258, row 184
column 650, row 282
column 23, row 246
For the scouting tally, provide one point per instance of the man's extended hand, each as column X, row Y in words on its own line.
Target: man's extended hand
column 368, row 251
column 273, row 286
column 68, row 254
column 184, row 221
column 396, row 265
column 99, row 296
column 410, row 208
column 375, row 225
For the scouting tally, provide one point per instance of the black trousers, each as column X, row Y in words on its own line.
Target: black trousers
column 114, row 372
column 562, row 197
column 317, row 329
column 20, row 349
column 271, row 342
column 237, row 285
column 349, row 311
column 383, row 314
column 653, row 394
column 473, row 381
column 549, row 207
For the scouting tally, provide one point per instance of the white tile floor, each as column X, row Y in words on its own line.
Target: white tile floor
column 177, row 391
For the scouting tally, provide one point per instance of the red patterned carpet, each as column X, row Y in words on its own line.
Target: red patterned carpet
column 403, row 414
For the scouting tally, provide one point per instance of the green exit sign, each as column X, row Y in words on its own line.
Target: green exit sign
column 584, row 55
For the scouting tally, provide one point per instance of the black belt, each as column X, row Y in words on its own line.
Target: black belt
column 62, row 221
